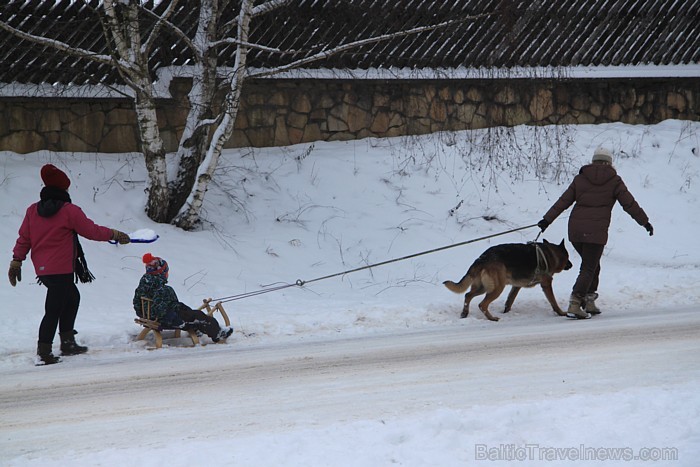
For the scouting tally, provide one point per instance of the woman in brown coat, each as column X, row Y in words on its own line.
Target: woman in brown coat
column 593, row 192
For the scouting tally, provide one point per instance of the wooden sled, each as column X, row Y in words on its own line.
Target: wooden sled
column 151, row 325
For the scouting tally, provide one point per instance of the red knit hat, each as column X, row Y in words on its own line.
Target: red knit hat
column 155, row 265
column 55, row 177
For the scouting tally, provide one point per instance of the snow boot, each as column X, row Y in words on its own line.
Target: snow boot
column 589, row 303
column 44, row 355
column 575, row 311
column 224, row 334
column 68, row 344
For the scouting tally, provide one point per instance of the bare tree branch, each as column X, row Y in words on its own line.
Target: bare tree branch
column 234, row 41
column 351, row 45
column 158, row 26
column 58, row 45
column 173, row 28
column 257, row 11
column 267, row 7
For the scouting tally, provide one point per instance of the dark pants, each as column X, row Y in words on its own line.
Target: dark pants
column 588, row 275
column 197, row 320
column 61, row 306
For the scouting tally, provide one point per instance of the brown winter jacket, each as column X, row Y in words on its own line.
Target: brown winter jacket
column 595, row 190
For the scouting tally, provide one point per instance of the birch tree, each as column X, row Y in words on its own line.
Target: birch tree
column 130, row 53
column 188, row 215
column 129, row 50
column 131, row 31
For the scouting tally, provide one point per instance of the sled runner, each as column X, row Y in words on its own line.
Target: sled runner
column 151, row 325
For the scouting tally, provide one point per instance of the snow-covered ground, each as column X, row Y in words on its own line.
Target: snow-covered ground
column 373, row 367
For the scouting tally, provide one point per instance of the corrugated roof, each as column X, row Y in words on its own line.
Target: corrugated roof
column 505, row 34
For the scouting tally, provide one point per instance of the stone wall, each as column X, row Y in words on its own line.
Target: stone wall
column 282, row 112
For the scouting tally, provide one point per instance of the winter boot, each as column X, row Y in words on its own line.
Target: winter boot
column 589, row 304
column 68, row 344
column 575, row 310
column 44, row 355
column 224, row 334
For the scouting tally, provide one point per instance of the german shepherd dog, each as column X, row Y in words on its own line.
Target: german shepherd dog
column 517, row 264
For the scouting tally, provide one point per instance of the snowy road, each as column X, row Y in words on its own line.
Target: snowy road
column 247, row 388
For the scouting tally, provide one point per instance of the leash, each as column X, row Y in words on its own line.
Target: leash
column 301, row 283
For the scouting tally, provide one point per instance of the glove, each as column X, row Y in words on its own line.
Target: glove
column 649, row 228
column 15, row 272
column 120, row 237
column 543, row 224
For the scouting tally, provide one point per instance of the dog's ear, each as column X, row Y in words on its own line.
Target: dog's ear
column 562, row 243
column 544, row 240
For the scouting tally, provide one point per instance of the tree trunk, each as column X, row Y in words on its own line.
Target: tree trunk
column 194, row 140
column 154, row 154
column 189, row 215
column 195, row 136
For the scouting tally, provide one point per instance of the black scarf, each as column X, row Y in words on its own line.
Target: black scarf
column 52, row 200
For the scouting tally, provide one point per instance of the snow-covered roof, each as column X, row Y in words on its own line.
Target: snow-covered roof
column 485, row 35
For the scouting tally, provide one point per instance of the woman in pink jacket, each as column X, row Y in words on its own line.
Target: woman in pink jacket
column 50, row 229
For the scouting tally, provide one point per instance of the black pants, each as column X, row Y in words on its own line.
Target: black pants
column 197, row 320
column 588, row 276
column 61, row 306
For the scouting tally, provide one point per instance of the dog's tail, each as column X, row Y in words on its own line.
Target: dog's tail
column 461, row 286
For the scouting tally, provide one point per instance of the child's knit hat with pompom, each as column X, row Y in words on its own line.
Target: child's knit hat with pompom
column 155, row 265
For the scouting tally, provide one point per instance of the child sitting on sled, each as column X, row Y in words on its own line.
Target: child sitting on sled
column 165, row 306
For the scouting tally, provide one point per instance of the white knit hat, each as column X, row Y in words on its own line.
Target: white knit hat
column 602, row 154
